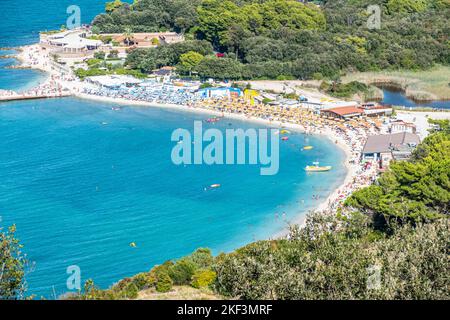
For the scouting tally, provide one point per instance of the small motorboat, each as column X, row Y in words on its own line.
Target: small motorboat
column 133, row 245
column 285, row 138
column 214, row 186
column 308, row 148
column 316, row 168
column 284, row 131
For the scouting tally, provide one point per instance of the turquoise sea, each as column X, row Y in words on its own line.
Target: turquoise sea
column 17, row 79
column 82, row 181
column 20, row 24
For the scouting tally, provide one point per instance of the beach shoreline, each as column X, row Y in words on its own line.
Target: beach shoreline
column 36, row 57
column 329, row 134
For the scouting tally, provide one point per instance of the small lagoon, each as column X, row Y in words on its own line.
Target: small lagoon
column 397, row 97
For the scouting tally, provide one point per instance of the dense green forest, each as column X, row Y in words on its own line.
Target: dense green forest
column 286, row 38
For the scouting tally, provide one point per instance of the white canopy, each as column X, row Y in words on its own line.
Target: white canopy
column 111, row 81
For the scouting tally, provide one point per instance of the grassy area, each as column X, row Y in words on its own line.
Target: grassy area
column 179, row 293
column 432, row 84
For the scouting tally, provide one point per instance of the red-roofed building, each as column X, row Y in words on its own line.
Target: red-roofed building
column 347, row 112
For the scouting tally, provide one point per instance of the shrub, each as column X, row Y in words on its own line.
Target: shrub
column 12, row 260
column 317, row 76
column 203, row 278
column 93, row 62
column 143, row 281
column 113, row 54
column 202, row 258
column 182, row 271
column 100, row 55
column 81, row 73
column 164, row 283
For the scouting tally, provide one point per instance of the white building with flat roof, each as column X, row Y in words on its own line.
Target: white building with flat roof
column 71, row 41
column 113, row 81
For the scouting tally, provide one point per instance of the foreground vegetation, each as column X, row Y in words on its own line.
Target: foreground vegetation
column 12, row 264
column 285, row 39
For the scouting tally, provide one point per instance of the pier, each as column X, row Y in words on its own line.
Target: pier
column 24, row 97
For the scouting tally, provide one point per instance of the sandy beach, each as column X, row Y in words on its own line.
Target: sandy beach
column 34, row 56
column 329, row 134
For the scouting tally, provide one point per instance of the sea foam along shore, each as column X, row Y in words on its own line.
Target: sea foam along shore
column 34, row 56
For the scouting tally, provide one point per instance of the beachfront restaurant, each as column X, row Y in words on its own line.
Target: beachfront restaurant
column 387, row 147
column 344, row 113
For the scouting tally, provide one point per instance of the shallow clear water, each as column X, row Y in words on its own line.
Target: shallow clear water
column 82, row 181
column 18, row 79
